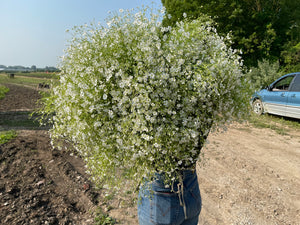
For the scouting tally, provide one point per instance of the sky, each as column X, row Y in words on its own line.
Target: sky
column 33, row 32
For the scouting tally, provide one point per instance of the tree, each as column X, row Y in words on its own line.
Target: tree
column 260, row 28
column 291, row 57
column 33, row 68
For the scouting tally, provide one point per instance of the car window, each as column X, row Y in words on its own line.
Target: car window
column 283, row 84
column 296, row 84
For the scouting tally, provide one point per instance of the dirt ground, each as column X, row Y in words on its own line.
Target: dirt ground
column 247, row 176
column 251, row 176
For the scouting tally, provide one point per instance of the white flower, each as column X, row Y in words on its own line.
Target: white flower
column 137, row 95
column 156, row 145
column 110, row 113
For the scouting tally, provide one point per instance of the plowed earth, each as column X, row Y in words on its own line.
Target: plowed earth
column 247, row 176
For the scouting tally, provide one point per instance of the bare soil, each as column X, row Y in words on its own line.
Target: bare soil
column 247, row 176
column 19, row 98
column 251, row 176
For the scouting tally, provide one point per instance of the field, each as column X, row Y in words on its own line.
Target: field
column 248, row 175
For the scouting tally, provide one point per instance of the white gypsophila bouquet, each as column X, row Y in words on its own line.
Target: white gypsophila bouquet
column 136, row 98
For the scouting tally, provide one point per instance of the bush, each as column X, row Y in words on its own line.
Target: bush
column 137, row 98
column 264, row 74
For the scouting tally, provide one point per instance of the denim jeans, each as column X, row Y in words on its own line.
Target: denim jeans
column 162, row 206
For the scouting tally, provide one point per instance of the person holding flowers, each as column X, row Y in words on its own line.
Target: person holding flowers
column 137, row 101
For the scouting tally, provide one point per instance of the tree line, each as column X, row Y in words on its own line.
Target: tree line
column 24, row 69
column 266, row 31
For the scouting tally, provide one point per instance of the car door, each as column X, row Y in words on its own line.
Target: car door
column 293, row 99
column 277, row 96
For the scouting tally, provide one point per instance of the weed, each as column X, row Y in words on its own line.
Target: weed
column 102, row 218
column 5, row 136
column 3, row 91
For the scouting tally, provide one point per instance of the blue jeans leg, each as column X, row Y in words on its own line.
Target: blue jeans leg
column 191, row 221
column 160, row 206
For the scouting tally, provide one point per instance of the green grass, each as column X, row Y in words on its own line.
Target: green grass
column 5, row 136
column 36, row 74
column 39, row 75
column 3, row 91
column 27, row 80
column 282, row 125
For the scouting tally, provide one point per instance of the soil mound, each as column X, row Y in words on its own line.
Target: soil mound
column 43, row 186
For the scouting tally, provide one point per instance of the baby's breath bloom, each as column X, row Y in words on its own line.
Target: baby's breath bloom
column 135, row 98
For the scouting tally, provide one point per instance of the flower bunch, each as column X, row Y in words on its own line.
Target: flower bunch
column 136, row 98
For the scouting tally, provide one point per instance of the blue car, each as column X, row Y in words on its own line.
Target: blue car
column 282, row 97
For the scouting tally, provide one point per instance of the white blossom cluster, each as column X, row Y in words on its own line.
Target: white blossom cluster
column 136, row 98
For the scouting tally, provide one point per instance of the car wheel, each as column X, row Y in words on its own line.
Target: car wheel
column 258, row 107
